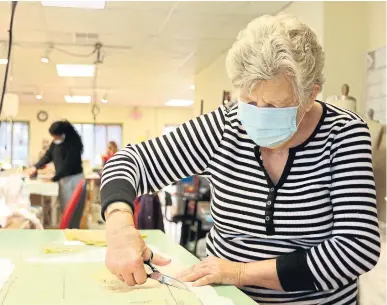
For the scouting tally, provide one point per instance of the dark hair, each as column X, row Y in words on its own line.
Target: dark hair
column 64, row 127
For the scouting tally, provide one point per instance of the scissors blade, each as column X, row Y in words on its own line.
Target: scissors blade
column 163, row 279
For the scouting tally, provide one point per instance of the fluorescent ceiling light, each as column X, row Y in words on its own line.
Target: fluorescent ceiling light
column 104, row 100
column 39, row 96
column 3, row 61
column 78, row 99
column 179, row 103
column 192, row 87
column 75, row 70
column 45, row 60
column 94, row 5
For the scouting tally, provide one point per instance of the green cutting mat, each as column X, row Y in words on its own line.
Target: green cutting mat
column 83, row 284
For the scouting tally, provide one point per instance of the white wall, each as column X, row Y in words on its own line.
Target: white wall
column 376, row 14
column 150, row 125
column 346, row 30
column 210, row 84
column 362, row 29
column 311, row 13
column 345, row 40
column 211, row 81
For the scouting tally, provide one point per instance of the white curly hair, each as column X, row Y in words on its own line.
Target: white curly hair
column 271, row 45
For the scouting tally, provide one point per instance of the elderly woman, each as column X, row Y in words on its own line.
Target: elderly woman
column 293, row 194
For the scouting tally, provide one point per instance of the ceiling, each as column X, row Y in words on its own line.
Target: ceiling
column 152, row 50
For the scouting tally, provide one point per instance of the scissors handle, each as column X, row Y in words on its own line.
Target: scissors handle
column 149, row 263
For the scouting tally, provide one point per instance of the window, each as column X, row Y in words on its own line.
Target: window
column 14, row 142
column 169, row 128
column 95, row 146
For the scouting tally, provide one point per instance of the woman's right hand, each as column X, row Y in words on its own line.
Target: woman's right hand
column 127, row 251
column 31, row 171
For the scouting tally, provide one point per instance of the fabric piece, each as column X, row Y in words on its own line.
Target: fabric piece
column 6, row 267
column 89, row 237
column 74, row 283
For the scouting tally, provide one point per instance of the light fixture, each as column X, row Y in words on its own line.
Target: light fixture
column 95, row 5
column 3, row 61
column 78, row 99
column 192, row 87
column 179, row 103
column 39, row 96
column 75, row 70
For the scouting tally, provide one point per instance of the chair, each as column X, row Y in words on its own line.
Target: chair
column 72, row 215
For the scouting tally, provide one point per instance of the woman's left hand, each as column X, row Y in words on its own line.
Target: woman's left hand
column 214, row 270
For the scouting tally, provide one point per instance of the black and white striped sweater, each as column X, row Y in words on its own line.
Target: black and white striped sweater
column 319, row 221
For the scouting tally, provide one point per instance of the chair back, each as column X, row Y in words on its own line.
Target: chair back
column 72, row 215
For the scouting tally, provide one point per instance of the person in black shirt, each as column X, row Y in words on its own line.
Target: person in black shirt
column 66, row 153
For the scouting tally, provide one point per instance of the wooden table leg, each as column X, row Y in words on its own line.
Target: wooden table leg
column 89, row 199
column 54, row 212
column 44, row 210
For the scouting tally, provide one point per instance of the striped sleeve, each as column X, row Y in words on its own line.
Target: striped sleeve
column 154, row 164
column 354, row 247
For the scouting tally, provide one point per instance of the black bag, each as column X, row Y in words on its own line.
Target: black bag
column 150, row 216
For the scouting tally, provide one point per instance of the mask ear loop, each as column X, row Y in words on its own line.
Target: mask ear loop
column 298, row 125
column 298, row 107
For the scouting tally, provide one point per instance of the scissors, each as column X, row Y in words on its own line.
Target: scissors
column 163, row 279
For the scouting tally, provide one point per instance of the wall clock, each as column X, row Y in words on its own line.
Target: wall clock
column 42, row 116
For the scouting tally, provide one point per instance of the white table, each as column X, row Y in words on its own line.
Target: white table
column 51, row 189
column 46, row 189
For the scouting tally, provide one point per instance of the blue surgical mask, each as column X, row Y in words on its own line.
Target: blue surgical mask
column 268, row 127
